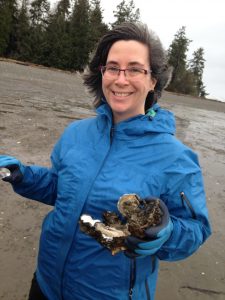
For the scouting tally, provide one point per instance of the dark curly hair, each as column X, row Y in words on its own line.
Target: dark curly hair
column 157, row 58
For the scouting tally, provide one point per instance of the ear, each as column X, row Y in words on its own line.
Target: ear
column 152, row 83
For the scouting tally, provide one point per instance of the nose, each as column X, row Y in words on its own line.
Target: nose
column 121, row 79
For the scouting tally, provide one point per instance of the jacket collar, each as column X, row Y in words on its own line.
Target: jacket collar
column 162, row 121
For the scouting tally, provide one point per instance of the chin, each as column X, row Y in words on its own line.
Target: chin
column 119, row 107
column 120, row 111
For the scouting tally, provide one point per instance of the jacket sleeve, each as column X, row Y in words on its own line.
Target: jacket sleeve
column 40, row 183
column 190, row 218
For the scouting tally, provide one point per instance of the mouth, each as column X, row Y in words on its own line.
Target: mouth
column 122, row 94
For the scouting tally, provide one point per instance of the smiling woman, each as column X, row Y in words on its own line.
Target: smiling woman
column 136, row 47
column 129, row 147
column 126, row 91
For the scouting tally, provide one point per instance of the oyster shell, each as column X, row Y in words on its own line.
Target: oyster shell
column 110, row 233
column 136, row 216
column 128, row 203
column 139, row 214
column 4, row 172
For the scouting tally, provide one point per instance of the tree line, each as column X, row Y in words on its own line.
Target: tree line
column 64, row 37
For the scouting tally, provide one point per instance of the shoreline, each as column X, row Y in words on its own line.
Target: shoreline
column 190, row 101
column 167, row 96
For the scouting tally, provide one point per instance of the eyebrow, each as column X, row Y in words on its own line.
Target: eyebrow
column 132, row 63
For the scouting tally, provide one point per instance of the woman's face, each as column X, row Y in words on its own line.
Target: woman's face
column 126, row 94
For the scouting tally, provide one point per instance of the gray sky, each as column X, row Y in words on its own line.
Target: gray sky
column 205, row 26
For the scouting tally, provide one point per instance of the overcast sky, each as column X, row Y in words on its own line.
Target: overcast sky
column 205, row 26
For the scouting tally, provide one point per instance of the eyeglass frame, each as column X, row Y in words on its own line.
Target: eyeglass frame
column 124, row 70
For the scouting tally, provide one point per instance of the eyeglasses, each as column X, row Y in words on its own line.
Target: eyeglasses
column 130, row 73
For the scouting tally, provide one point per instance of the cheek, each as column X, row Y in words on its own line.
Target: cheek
column 145, row 87
column 105, row 85
column 104, row 91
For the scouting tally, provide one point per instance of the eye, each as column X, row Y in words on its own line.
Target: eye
column 112, row 69
column 135, row 70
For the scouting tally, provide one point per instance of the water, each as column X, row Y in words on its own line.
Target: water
column 214, row 98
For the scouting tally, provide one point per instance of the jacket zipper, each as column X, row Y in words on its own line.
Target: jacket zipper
column 111, row 137
column 132, row 277
column 186, row 200
column 111, row 134
column 147, row 290
column 153, row 262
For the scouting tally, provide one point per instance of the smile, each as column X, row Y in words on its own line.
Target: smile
column 122, row 94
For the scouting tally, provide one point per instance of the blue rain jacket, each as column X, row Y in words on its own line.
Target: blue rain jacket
column 93, row 164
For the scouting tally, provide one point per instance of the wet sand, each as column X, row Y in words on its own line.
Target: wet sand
column 35, row 106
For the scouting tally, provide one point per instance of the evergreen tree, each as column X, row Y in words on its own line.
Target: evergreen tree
column 39, row 13
column 80, row 35
column 125, row 12
column 196, row 66
column 187, row 84
column 23, row 33
column 63, row 8
column 178, row 59
column 39, row 16
column 97, row 27
column 8, row 23
column 56, row 52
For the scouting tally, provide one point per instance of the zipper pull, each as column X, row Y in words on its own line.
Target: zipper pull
column 130, row 293
column 151, row 113
column 188, row 203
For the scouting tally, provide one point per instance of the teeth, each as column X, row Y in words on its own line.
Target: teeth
column 121, row 94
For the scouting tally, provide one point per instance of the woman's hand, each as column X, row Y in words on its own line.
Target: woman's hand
column 14, row 166
column 155, row 236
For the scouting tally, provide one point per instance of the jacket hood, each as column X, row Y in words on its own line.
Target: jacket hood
column 157, row 120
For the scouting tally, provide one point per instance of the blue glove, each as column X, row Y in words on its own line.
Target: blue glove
column 15, row 167
column 155, row 236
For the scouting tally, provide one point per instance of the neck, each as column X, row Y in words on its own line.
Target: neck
column 117, row 118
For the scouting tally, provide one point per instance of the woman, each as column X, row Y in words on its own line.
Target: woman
column 129, row 147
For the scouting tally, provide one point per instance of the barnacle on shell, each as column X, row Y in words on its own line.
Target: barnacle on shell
column 137, row 215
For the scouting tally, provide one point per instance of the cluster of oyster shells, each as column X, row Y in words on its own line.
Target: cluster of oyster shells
column 136, row 216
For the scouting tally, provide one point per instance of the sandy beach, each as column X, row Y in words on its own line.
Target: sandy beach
column 36, row 104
